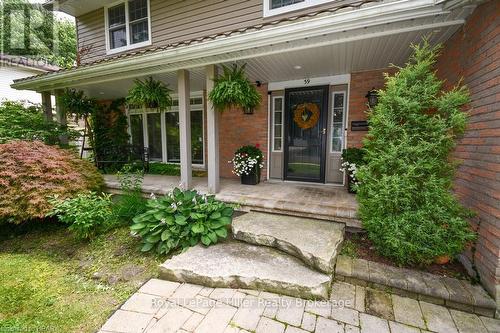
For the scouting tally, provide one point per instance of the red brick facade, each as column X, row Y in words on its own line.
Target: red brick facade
column 473, row 54
column 361, row 83
column 237, row 129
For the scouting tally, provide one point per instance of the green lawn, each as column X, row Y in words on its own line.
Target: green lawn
column 50, row 282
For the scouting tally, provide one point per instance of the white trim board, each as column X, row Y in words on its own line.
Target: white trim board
column 308, row 82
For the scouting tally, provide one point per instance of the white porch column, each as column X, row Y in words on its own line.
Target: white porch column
column 61, row 115
column 47, row 106
column 212, row 135
column 185, row 127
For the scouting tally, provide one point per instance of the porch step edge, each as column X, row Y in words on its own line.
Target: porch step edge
column 314, row 242
column 235, row 264
column 454, row 293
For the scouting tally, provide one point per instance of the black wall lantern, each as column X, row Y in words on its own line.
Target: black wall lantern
column 372, row 97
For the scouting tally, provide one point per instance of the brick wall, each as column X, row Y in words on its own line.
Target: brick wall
column 237, row 129
column 472, row 53
column 361, row 83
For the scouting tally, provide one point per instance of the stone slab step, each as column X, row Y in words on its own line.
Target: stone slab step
column 454, row 293
column 314, row 242
column 235, row 264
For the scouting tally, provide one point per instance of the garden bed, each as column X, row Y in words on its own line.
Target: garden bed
column 357, row 245
column 52, row 282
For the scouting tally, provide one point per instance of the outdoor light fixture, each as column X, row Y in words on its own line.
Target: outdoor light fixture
column 372, row 97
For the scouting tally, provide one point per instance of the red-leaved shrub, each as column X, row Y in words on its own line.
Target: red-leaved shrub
column 31, row 172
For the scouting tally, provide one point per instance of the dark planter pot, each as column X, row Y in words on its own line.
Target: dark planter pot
column 251, row 179
column 350, row 185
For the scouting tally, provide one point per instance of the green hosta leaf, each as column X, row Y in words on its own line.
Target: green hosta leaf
column 159, row 215
column 225, row 220
column 153, row 239
column 147, row 246
column 198, row 228
column 137, row 226
column 213, row 236
column 215, row 215
column 206, row 240
column 197, row 216
column 228, row 212
column 180, row 219
column 221, row 232
column 165, row 235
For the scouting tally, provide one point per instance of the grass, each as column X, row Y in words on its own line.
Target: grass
column 349, row 248
column 51, row 282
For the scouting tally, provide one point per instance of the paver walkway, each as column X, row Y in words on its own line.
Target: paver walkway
column 163, row 306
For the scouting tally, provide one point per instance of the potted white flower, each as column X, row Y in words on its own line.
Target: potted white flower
column 247, row 164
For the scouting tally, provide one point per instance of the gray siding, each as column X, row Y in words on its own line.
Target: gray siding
column 179, row 20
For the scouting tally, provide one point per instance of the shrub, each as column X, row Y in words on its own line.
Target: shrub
column 130, row 202
column 169, row 169
column 406, row 204
column 182, row 219
column 32, row 172
column 86, row 214
column 20, row 122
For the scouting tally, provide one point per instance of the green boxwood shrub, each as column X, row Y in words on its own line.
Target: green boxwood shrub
column 405, row 197
column 182, row 219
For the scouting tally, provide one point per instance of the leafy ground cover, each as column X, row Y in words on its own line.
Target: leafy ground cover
column 52, row 282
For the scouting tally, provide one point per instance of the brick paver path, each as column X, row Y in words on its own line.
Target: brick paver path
column 162, row 306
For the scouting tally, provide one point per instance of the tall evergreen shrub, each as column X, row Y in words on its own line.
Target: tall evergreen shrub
column 406, row 203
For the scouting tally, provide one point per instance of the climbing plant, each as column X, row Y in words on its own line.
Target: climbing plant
column 110, row 137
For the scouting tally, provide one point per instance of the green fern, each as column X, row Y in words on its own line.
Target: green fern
column 234, row 89
column 150, row 93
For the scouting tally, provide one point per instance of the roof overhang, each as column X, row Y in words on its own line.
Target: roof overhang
column 76, row 7
column 367, row 22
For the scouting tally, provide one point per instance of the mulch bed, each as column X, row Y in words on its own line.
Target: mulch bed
column 366, row 250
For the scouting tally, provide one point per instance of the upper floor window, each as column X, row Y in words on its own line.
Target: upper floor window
column 275, row 7
column 127, row 25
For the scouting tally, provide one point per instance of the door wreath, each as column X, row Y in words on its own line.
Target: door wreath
column 306, row 115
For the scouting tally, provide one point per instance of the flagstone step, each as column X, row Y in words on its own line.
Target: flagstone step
column 236, row 264
column 314, row 242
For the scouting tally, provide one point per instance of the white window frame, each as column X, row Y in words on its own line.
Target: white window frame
column 274, row 125
column 129, row 46
column 297, row 6
column 145, row 111
column 344, row 114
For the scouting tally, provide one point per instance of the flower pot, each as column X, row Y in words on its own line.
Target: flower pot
column 251, row 179
column 350, row 185
column 442, row 260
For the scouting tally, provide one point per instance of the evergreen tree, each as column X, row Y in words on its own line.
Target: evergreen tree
column 406, row 203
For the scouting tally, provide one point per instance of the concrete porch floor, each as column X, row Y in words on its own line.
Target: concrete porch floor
column 326, row 202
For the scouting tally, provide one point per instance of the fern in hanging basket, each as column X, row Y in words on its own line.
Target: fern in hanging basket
column 150, row 93
column 234, row 89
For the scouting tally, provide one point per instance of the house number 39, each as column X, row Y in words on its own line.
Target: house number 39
column 307, row 81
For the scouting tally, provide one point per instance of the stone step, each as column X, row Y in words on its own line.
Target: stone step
column 235, row 264
column 314, row 242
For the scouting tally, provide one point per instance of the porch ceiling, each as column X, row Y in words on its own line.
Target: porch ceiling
column 349, row 57
column 338, row 44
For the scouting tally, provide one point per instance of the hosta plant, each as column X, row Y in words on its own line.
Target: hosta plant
column 182, row 219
